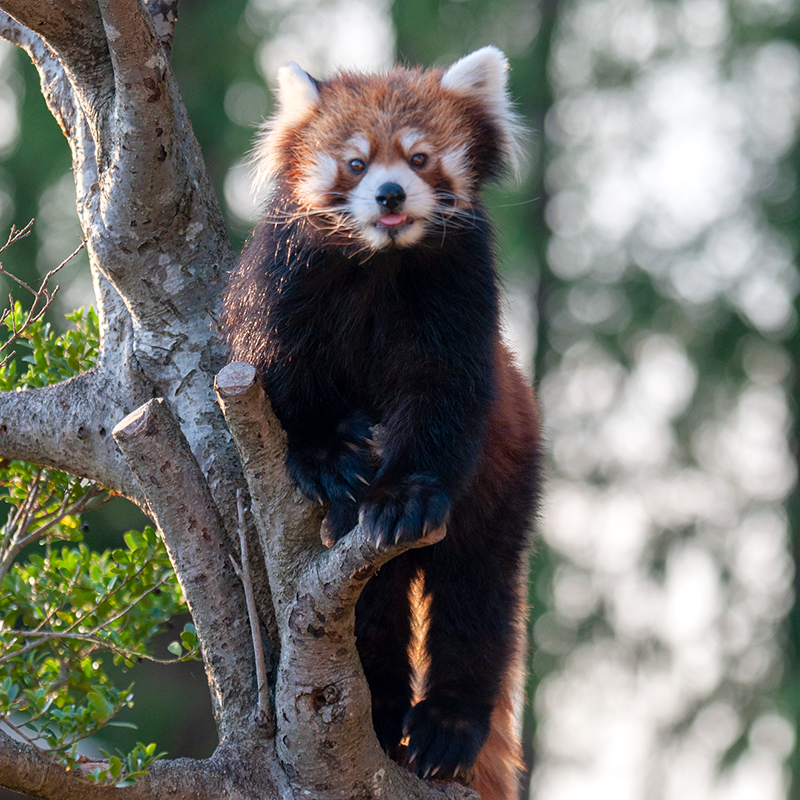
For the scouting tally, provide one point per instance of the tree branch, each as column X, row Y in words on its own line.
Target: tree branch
column 74, row 32
column 322, row 701
column 170, row 278
column 56, row 88
column 149, row 214
column 154, row 446
column 287, row 523
column 265, row 718
column 230, row 773
column 164, row 14
column 66, row 426
column 142, row 159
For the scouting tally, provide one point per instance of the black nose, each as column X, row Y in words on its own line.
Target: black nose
column 391, row 196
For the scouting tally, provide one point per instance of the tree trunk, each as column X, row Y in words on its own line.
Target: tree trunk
column 159, row 255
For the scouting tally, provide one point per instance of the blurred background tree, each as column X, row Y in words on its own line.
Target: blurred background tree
column 649, row 253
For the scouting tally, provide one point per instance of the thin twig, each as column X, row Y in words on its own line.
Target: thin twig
column 18, row 730
column 41, row 294
column 19, row 540
column 43, row 637
column 58, row 606
column 15, row 526
column 110, row 592
column 16, row 234
column 263, row 712
column 52, row 518
column 130, row 605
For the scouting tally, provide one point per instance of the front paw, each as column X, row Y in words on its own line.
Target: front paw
column 337, row 468
column 396, row 514
column 445, row 737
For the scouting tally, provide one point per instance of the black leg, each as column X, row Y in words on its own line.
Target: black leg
column 383, row 632
column 472, row 585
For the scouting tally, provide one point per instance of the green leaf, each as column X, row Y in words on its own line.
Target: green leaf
column 175, row 648
column 58, row 689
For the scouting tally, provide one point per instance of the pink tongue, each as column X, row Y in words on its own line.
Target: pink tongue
column 390, row 220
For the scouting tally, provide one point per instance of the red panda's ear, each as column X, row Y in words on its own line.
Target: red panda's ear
column 482, row 76
column 298, row 97
column 297, row 93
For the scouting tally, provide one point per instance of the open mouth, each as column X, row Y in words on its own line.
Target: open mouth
column 394, row 221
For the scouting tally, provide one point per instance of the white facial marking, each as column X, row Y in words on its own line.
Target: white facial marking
column 409, row 140
column 456, row 166
column 318, row 181
column 357, row 147
column 418, row 205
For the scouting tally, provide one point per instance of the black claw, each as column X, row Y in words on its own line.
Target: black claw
column 338, row 471
column 445, row 737
column 404, row 512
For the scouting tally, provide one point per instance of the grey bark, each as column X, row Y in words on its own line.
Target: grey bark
column 158, row 254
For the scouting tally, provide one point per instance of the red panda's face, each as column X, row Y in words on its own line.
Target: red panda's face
column 388, row 160
column 390, row 184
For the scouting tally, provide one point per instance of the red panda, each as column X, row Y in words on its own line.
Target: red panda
column 367, row 300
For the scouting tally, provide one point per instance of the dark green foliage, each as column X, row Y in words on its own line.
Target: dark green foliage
column 66, row 610
column 51, row 357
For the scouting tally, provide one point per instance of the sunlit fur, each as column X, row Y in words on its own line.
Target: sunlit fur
column 461, row 119
column 372, row 317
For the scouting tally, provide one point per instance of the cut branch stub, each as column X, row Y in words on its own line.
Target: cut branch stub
column 288, row 524
column 154, row 446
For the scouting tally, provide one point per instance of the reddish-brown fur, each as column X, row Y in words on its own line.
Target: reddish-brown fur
column 359, row 318
column 371, row 105
column 513, row 422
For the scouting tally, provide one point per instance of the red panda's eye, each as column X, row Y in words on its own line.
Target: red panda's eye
column 418, row 160
column 357, row 166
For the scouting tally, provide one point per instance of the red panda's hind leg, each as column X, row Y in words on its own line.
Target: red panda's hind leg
column 472, row 579
column 383, row 633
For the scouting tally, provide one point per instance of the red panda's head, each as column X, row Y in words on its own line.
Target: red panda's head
column 387, row 159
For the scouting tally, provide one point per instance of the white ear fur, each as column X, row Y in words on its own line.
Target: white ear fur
column 482, row 75
column 297, row 97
